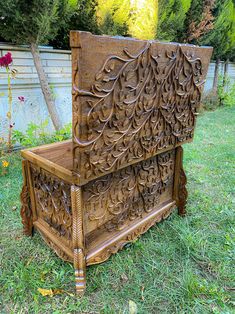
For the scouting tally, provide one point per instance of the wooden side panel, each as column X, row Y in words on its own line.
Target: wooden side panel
column 121, row 199
column 132, row 99
column 53, row 206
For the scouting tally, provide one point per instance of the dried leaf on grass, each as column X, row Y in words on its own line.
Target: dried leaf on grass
column 52, row 292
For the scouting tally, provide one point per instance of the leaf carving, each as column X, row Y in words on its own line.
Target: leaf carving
column 144, row 102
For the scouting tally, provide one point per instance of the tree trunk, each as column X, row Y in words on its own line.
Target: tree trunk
column 225, row 73
column 216, row 75
column 45, row 87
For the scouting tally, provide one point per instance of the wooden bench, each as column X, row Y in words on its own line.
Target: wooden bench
column 134, row 104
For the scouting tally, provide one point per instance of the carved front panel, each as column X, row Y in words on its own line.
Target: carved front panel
column 132, row 99
column 53, row 202
column 113, row 201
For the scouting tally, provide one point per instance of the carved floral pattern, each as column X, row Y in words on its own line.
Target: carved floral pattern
column 53, row 201
column 139, row 105
column 127, row 194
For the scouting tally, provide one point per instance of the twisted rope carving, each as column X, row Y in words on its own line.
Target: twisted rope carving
column 78, row 240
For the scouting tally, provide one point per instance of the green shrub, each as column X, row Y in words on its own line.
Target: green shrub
column 210, row 101
column 226, row 92
column 225, row 95
column 38, row 134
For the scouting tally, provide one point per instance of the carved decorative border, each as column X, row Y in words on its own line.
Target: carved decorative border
column 105, row 253
column 55, row 248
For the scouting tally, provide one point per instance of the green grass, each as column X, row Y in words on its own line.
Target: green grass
column 183, row 265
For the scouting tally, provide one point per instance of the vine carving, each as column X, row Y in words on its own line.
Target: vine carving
column 139, row 104
column 53, row 202
column 129, row 193
column 114, row 248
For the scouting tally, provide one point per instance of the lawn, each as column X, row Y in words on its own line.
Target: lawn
column 183, row 265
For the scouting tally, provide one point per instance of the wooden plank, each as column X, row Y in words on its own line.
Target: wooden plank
column 53, row 168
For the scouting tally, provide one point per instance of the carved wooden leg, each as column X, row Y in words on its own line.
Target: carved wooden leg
column 78, row 240
column 26, row 212
column 180, row 191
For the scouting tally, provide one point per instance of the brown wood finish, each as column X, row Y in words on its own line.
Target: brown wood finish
column 132, row 99
column 134, row 105
column 26, row 211
column 78, row 239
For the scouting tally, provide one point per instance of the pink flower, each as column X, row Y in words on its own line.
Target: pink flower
column 6, row 60
column 21, row 98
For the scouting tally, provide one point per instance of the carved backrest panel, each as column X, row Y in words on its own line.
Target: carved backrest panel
column 132, row 99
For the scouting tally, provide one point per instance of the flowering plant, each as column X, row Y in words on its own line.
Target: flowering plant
column 5, row 165
column 21, row 98
column 5, row 62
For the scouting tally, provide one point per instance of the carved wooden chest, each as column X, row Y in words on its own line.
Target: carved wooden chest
column 134, row 104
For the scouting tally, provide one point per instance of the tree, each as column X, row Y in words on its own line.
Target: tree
column 144, row 19
column 194, row 15
column 136, row 18
column 172, row 15
column 197, row 29
column 83, row 18
column 222, row 37
column 113, row 16
column 35, row 22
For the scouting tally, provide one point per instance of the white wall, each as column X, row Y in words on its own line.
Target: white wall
column 57, row 64
column 210, row 74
